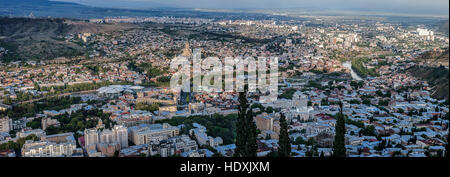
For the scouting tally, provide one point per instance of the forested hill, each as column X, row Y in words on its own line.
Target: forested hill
column 43, row 38
column 435, row 57
column 443, row 27
column 437, row 77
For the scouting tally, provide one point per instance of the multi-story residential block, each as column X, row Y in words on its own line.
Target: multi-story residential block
column 7, row 153
column 47, row 122
column 173, row 146
column 59, row 145
column 5, row 124
column 106, row 136
column 91, row 138
column 4, row 107
column 25, row 133
column 264, row 121
column 105, row 140
column 121, row 135
column 202, row 138
column 145, row 133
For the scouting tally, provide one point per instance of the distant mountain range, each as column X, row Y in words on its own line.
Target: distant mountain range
column 122, row 4
column 44, row 8
column 40, row 8
column 443, row 27
column 85, row 9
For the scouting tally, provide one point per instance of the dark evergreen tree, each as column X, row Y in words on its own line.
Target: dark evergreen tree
column 272, row 153
column 284, row 140
column 217, row 154
column 339, row 139
column 322, row 154
column 446, row 148
column 241, row 134
column 252, row 145
column 116, row 154
column 246, row 133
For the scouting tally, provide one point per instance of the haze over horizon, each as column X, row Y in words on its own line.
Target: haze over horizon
column 428, row 7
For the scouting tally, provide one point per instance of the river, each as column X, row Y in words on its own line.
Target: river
column 348, row 64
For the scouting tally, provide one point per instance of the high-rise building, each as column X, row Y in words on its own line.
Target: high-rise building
column 106, row 136
column 118, row 134
column 121, row 135
column 187, row 50
column 90, row 137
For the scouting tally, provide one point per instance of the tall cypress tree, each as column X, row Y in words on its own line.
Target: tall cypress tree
column 252, row 145
column 339, row 138
column 241, row 137
column 284, row 141
column 446, row 148
column 246, row 134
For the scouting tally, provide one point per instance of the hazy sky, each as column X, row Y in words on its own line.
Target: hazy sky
column 394, row 6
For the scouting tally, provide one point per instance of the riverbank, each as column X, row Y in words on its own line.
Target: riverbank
column 355, row 76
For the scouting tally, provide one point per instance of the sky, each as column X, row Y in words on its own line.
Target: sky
column 437, row 7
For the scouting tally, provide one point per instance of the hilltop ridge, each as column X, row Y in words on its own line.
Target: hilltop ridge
column 43, row 38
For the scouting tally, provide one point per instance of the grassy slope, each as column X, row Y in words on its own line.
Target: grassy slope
column 40, row 39
column 436, row 77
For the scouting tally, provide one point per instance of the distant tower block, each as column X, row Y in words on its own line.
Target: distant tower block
column 100, row 124
column 187, row 50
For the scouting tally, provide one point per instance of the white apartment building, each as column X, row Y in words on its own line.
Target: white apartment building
column 145, row 133
column 25, row 133
column 118, row 134
column 5, row 124
column 90, row 138
column 121, row 135
column 60, row 145
column 202, row 138
column 107, row 136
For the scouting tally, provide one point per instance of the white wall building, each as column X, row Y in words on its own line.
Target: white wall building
column 37, row 132
column 5, row 124
column 60, row 145
column 145, row 133
column 118, row 134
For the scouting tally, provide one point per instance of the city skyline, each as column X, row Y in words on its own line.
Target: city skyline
column 84, row 81
column 432, row 7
